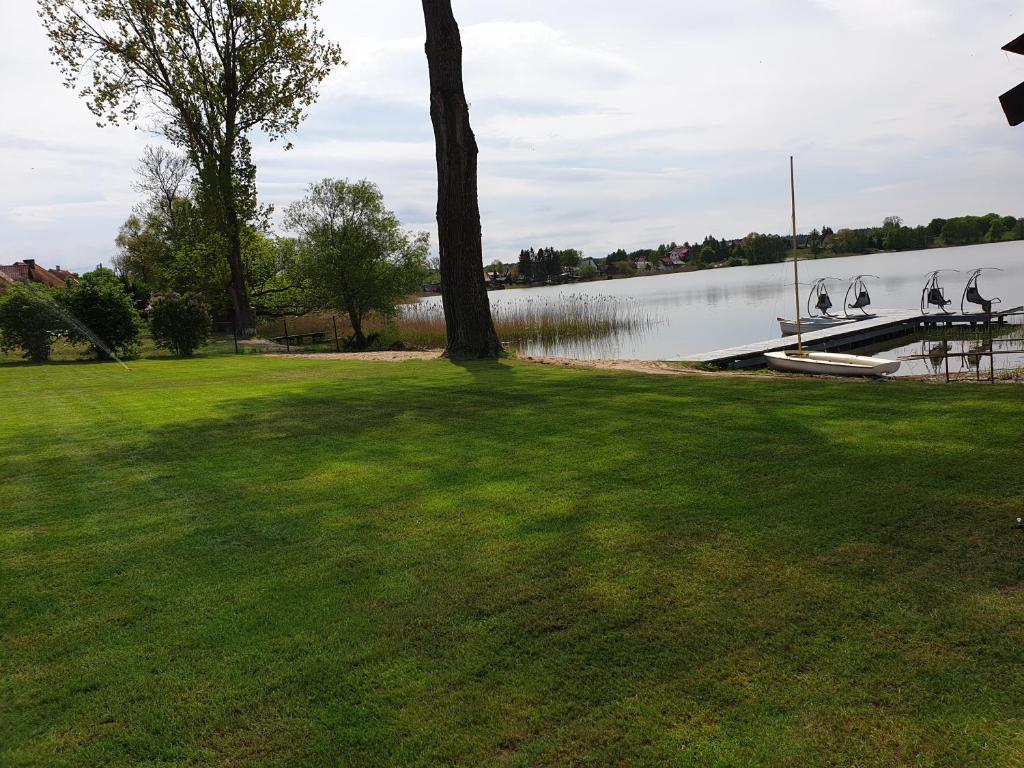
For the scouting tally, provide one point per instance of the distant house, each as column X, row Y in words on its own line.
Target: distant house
column 28, row 271
column 63, row 274
column 679, row 256
column 642, row 265
column 589, row 263
column 674, row 259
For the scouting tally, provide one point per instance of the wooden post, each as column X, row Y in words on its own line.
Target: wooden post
column 337, row 344
column 287, row 341
column 991, row 354
column 796, row 270
column 945, row 354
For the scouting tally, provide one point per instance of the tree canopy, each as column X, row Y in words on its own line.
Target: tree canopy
column 352, row 254
column 208, row 72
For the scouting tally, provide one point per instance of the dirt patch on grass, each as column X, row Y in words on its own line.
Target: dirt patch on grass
column 652, row 367
column 634, row 366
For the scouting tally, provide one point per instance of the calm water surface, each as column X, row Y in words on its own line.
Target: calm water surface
column 703, row 311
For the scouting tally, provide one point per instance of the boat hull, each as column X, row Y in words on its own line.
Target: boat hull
column 830, row 363
column 808, row 324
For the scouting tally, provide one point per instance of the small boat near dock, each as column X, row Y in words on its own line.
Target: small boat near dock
column 830, row 363
column 808, row 324
column 819, row 301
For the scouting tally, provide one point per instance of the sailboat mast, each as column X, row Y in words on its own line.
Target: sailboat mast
column 796, row 269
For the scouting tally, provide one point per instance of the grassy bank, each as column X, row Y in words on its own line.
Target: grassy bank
column 270, row 562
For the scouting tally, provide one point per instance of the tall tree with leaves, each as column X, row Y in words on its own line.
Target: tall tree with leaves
column 352, row 253
column 210, row 72
column 467, row 309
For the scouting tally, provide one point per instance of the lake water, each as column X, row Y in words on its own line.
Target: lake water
column 696, row 312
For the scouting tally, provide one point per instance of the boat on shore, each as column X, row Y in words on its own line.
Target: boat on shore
column 800, row 360
column 830, row 363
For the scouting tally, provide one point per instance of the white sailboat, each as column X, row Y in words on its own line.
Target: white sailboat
column 800, row 360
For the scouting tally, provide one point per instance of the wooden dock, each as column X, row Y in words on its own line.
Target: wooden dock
column 885, row 325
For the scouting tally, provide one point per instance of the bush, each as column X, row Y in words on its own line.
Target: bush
column 104, row 314
column 180, row 323
column 29, row 320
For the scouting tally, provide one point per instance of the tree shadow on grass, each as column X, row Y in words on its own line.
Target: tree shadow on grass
column 530, row 557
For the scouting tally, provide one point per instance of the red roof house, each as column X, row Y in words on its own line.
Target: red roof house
column 28, row 271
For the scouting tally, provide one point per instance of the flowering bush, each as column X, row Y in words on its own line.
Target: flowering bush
column 180, row 323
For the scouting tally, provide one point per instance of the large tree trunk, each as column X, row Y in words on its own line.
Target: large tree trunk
column 245, row 316
column 355, row 319
column 467, row 309
column 231, row 229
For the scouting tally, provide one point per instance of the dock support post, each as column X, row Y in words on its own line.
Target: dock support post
column 945, row 352
column 991, row 354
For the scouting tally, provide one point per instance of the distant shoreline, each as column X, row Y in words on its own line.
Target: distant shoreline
column 802, row 255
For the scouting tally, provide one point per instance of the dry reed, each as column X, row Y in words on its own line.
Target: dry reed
column 575, row 316
column 421, row 325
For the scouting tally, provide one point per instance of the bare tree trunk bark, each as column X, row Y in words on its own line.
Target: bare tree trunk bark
column 245, row 317
column 467, row 309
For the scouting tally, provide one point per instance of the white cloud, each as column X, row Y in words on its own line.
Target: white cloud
column 898, row 15
column 599, row 126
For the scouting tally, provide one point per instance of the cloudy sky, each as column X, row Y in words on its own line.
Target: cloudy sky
column 601, row 125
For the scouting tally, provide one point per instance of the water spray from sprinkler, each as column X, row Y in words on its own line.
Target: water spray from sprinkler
column 83, row 329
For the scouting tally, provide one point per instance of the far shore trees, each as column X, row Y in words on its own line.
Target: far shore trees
column 467, row 308
column 352, row 255
column 208, row 72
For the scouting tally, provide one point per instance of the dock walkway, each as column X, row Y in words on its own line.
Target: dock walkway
column 886, row 324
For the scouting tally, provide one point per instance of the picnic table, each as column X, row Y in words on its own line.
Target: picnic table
column 299, row 339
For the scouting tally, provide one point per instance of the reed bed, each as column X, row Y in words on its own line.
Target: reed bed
column 572, row 317
column 421, row 325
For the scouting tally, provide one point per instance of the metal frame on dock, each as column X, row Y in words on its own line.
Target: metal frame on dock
column 990, row 352
column 887, row 324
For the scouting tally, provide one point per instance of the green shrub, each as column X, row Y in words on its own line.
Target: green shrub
column 29, row 320
column 104, row 314
column 180, row 323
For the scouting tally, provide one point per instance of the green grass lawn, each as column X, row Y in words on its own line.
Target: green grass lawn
column 268, row 562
